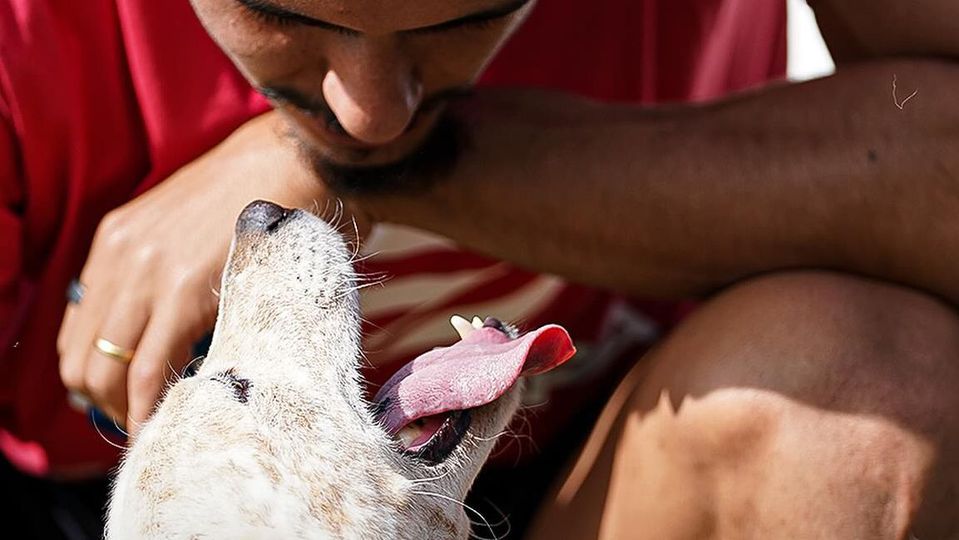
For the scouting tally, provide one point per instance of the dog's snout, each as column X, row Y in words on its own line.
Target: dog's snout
column 261, row 216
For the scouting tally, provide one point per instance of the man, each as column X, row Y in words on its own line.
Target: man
column 802, row 405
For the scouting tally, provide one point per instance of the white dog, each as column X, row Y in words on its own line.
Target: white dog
column 272, row 439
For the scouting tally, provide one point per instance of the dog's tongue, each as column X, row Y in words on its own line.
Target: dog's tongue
column 470, row 373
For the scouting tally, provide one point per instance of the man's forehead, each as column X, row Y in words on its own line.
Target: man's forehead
column 387, row 16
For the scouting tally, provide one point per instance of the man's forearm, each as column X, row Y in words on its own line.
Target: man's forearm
column 835, row 173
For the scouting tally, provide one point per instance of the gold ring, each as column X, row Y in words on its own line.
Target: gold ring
column 113, row 350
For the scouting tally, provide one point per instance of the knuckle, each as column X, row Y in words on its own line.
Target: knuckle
column 146, row 256
column 112, row 233
column 144, row 376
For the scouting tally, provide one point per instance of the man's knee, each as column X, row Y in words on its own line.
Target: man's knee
column 828, row 340
column 823, row 400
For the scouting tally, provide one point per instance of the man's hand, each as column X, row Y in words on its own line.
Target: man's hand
column 152, row 275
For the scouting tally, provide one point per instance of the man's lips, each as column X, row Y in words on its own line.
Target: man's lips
column 322, row 130
column 334, row 138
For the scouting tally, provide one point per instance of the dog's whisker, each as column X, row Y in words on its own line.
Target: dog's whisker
column 135, row 423
column 432, row 479
column 504, row 519
column 368, row 285
column 337, row 214
column 357, row 258
column 285, row 387
column 368, row 275
column 494, row 437
column 354, row 289
column 190, row 364
column 465, row 507
column 366, row 362
column 120, row 428
column 369, row 323
column 100, row 433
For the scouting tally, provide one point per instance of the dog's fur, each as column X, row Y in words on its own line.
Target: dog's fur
column 271, row 438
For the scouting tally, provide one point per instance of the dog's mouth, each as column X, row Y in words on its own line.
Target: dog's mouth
column 433, row 438
column 427, row 404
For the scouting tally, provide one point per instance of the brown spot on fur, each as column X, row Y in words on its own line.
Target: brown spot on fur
column 164, row 494
column 439, row 522
column 266, row 460
column 327, row 505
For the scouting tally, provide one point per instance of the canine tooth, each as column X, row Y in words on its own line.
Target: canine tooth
column 462, row 326
column 477, row 322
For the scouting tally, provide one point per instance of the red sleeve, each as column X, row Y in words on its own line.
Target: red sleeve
column 13, row 288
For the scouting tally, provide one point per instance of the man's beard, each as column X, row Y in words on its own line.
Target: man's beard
column 434, row 158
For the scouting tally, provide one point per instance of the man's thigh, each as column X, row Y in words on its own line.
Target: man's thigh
column 804, row 405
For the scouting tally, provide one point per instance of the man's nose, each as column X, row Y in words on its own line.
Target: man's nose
column 374, row 95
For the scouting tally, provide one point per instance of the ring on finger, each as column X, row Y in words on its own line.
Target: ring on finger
column 75, row 291
column 111, row 349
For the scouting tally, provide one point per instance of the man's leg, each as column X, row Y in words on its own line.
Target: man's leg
column 806, row 405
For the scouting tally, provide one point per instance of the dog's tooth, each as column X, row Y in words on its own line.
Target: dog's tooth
column 462, row 326
column 408, row 435
column 477, row 322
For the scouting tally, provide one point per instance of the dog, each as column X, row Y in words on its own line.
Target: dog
column 271, row 438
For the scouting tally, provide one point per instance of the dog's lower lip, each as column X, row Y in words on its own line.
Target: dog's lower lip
column 442, row 443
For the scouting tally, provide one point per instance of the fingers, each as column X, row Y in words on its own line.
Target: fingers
column 82, row 320
column 129, row 285
column 162, row 353
column 159, row 340
column 104, row 378
column 75, row 341
column 168, row 245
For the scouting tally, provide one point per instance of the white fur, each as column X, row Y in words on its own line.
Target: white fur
column 303, row 457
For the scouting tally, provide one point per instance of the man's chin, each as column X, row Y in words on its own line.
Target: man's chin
column 359, row 171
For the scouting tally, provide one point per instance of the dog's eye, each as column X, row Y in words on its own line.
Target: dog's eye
column 239, row 386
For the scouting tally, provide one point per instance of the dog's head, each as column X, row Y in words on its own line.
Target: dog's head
column 272, row 438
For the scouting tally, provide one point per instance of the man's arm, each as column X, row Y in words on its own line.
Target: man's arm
column 837, row 173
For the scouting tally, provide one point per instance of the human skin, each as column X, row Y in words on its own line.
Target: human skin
column 151, row 273
column 826, row 174
column 154, row 268
column 772, row 185
column 802, row 406
column 681, row 201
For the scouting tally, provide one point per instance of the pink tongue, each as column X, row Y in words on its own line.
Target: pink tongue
column 470, row 373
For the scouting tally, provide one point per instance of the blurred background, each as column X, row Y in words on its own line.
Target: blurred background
column 808, row 57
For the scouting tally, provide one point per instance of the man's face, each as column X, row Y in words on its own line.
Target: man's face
column 362, row 81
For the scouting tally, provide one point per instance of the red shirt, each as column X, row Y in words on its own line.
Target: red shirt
column 102, row 99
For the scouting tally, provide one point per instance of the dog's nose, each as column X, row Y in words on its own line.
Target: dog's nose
column 261, row 216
